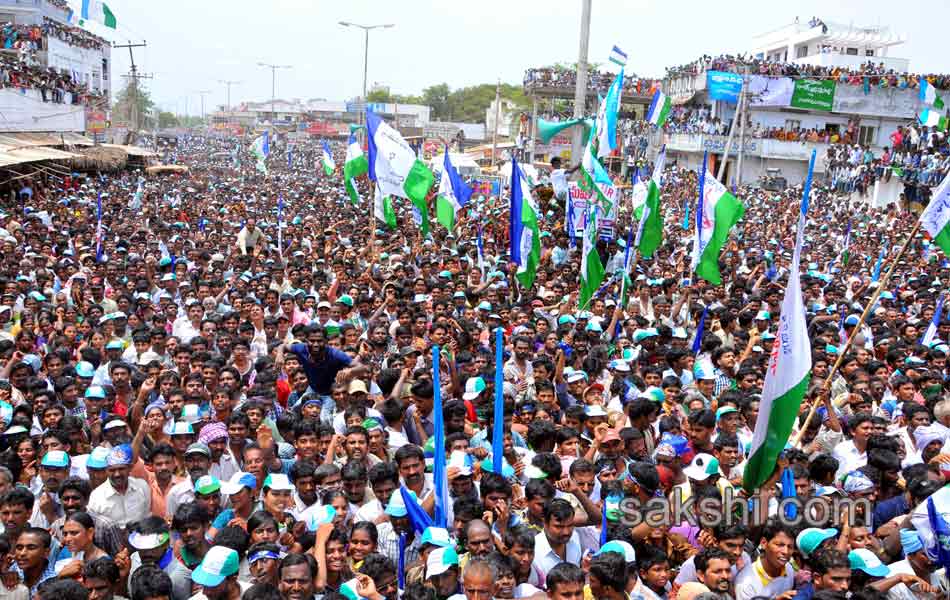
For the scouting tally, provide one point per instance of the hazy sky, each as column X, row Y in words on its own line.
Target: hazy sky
column 194, row 43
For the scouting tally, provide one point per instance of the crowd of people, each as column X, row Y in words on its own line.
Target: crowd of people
column 600, row 81
column 53, row 85
column 74, row 36
column 869, row 74
column 226, row 389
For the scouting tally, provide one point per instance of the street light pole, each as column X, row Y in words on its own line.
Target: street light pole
column 273, row 86
column 228, row 84
column 366, row 29
column 580, row 90
column 202, row 94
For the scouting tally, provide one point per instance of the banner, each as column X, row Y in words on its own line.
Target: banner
column 770, row 91
column 605, row 222
column 723, row 86
column 813, row 94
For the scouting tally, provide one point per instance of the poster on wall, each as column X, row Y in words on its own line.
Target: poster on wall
column 723, row 86
column 814, row 94
column 770, row 91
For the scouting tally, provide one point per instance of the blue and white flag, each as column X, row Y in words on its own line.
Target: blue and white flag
column 481, row 252
column 698, row 340
column 618, row 57
column 453, row 194
column 931, row 332
column 876, row 275
column 280, row 225
column 99, row 227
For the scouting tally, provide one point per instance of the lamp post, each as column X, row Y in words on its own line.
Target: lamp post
column 273, row 85
column 366, row 29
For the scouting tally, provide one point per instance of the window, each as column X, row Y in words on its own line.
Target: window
column 851, row 52
column 869, row 52
column 866, row 135
column 801, row 52
column 833, row 127
column 791, row 124
column 105, row 69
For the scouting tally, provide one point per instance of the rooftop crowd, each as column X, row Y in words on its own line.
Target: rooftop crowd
column 870, row 74
column 191, row 410
column 596, row 80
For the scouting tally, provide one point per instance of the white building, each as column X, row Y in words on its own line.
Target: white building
column 297, row 111
column 873, row 113
column 505, row 114
column 61, row 48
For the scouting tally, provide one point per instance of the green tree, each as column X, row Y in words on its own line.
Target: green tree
column 436, row 97
column 133, row 97
column 379, row 95
column 167, row 119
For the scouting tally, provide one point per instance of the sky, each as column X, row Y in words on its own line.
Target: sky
column 192, row 45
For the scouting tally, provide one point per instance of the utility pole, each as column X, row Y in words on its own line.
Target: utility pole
column 134, row 76
column 744, row 107
column 203, row 93
column 366, row 29
column 273, row 86
column 732, row 130
column 229, row 84
column 494, row 135
column 580, row 89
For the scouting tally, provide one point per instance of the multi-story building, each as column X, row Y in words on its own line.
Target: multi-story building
column 869, row 101
column 53, row 75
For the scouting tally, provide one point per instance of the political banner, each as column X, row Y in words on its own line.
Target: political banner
column 605, row 221
column 814, row 94
column 723, row 86
column 770, row 91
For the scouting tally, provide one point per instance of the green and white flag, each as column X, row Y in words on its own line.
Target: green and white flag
column 354, row 166
column 383, row 209
column 592, row 271
column 638, row 197
column 935, row 219
column 929, row 96
column 594, row 178
column 96, row 11
column 328, row 165
column 396, row 169
column 526, row 237
column 789, row 370
column 846, row 252
column 650, row 229
column 719, row 211
column 933, row 118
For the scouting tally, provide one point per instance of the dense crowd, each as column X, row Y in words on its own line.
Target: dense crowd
column 74, row 36
column 226, row 390
column 868, row 75
column 53, row 86
column 600, row 81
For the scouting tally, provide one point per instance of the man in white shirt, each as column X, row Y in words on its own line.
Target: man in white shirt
column 771, row 575
column 557, row 543
column 853, row 454
column 121, row 498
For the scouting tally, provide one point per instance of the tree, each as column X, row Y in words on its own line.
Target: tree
column 131, row 97
column 436, row 97
column 167, row 119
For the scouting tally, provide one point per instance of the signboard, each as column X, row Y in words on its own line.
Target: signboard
column 579, row 200
column 770, row 91
column 723, row 86
column 96, row 121
column 814, row 94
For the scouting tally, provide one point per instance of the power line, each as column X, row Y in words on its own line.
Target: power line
column 133, row 89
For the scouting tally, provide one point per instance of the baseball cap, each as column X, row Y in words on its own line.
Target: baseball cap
column 98, row 458
column 436, row 536
column 866, row 561
column 473, row 387
column 181, row 428
column 85, row 369
column 147, row 541
column 95, row 391
column 115, row 424
column 217, row 565
column 238, row 482
column 702, row 467
column 441, row 560
column 207, row 484
column 278, row 482
column 725, row 410
column 396, row 506
column 809, row 539
column 356, row 386
column 55, row 459
column 620, row 547
column 198, row 448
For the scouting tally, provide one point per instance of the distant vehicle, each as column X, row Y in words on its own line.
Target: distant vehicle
column 773, row 181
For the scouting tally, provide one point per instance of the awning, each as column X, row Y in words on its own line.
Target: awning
column 15, row 156
column 132, row 150
column 20, row 140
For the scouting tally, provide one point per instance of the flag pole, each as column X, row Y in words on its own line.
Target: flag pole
column 826, row 386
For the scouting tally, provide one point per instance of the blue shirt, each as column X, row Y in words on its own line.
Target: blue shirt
column 888, row 509
column 321, row 374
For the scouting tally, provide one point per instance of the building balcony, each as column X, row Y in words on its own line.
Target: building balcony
column 758, row 147
column 849, row 61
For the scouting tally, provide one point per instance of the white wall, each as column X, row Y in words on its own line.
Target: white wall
column 27, row 112
column 73, row 59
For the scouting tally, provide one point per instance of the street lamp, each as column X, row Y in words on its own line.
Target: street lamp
column 273, row 85
column 366, row 29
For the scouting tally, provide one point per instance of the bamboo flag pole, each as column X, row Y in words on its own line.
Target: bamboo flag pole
column 841, row 354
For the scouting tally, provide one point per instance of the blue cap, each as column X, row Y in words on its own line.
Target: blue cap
column 98, row 458
column 55, row 459
column 85, row 369
column 120, row 456
column 95, row 391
